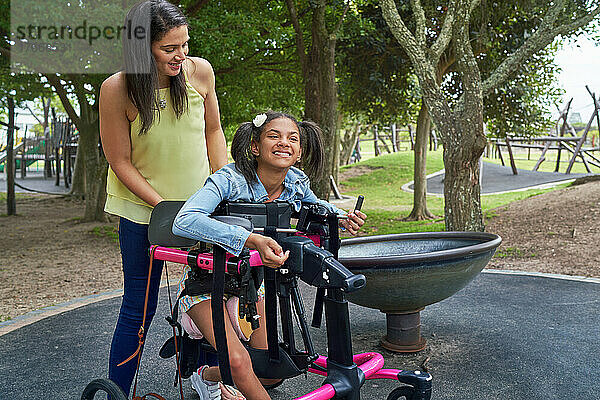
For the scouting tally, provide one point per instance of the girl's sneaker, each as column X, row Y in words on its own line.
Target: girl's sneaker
column 209, row 390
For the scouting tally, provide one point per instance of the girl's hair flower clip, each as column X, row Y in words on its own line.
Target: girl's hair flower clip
column 259, row 120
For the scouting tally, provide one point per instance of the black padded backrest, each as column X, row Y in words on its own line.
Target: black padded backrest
column 161, row 223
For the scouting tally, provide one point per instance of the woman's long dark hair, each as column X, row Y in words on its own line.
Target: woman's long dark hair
column 141, row 74
column 313, row 153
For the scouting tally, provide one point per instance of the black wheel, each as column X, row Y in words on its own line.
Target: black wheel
column 404, row 392
column 103, row 385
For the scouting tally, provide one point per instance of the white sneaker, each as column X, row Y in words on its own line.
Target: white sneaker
column 209, row 390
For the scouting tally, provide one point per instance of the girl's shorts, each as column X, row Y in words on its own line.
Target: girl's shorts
column 241, row 326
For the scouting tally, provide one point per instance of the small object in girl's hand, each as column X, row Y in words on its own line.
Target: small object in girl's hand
column 359, row 202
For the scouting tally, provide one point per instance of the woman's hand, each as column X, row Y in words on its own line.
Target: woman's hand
column 355, row 220
column 270, row 251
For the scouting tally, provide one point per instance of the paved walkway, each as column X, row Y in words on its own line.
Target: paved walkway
column 505, row 336
column 497, row 179
column 35, row 182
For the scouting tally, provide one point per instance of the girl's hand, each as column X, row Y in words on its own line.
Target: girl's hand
column 229, row 393
column 355, row 220
column 270, row 251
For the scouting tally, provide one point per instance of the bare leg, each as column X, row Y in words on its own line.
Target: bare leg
column 239, row 359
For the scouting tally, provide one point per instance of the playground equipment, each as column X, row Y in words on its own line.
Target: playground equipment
column 385, row 139
column 573, row 144
column 57, row 148
column 313, row 246
column 408, row 271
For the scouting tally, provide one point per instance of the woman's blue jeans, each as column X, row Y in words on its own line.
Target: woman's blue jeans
column 133, row 239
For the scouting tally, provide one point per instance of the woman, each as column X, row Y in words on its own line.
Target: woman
column 161, row 134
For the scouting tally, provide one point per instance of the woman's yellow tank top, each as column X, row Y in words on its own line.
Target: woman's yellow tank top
column 172, row 156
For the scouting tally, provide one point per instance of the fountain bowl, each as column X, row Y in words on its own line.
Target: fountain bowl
column 408, row 271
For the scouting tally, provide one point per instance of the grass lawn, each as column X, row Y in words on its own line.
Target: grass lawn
column 387, row 205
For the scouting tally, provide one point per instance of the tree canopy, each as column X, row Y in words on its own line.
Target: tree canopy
column 251, row 49
column 460, row 120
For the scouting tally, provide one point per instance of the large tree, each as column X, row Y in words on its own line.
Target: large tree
column 373, row 67
column 276, row 55
column 460, row 121
column 317, row 25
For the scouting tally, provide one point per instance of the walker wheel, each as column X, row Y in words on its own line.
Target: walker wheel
column 103, row 385
column 404, row 392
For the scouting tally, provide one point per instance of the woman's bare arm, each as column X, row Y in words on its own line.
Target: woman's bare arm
column 202, row 77
column 116, row 143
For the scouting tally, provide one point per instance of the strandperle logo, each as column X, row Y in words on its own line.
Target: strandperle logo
column 85, row 31
column 84, row 36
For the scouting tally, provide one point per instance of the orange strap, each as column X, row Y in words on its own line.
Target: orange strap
column 138, row 351
column 144, row 397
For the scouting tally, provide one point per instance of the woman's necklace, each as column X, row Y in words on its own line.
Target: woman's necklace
column 162, row 102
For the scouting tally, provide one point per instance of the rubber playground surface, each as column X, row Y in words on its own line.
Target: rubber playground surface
column 506, row 335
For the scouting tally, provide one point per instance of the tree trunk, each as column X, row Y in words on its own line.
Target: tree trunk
column 78, row 183
column 462, row 191
column 321, row 97
column 420, row 211
column 348, row 143
column 87, row 122
column 95, row 172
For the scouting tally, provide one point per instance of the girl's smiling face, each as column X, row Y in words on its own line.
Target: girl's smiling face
column 170, row 51
column 279, row 144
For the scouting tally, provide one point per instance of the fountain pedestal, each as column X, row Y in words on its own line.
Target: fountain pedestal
column 403, row 332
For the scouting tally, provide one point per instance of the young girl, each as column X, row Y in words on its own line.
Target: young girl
column 265, row 152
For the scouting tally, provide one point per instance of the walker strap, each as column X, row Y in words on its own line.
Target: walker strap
column 139, row 348
column 218, row 318
column 271, row 313
column 271, row 287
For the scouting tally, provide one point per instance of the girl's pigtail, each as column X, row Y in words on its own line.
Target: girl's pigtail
column 245, row 162
column 313, row 152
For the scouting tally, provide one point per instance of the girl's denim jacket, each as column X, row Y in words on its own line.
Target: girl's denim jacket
column 193, row 220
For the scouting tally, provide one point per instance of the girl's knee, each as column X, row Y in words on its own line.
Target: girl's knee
column 240, row 362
